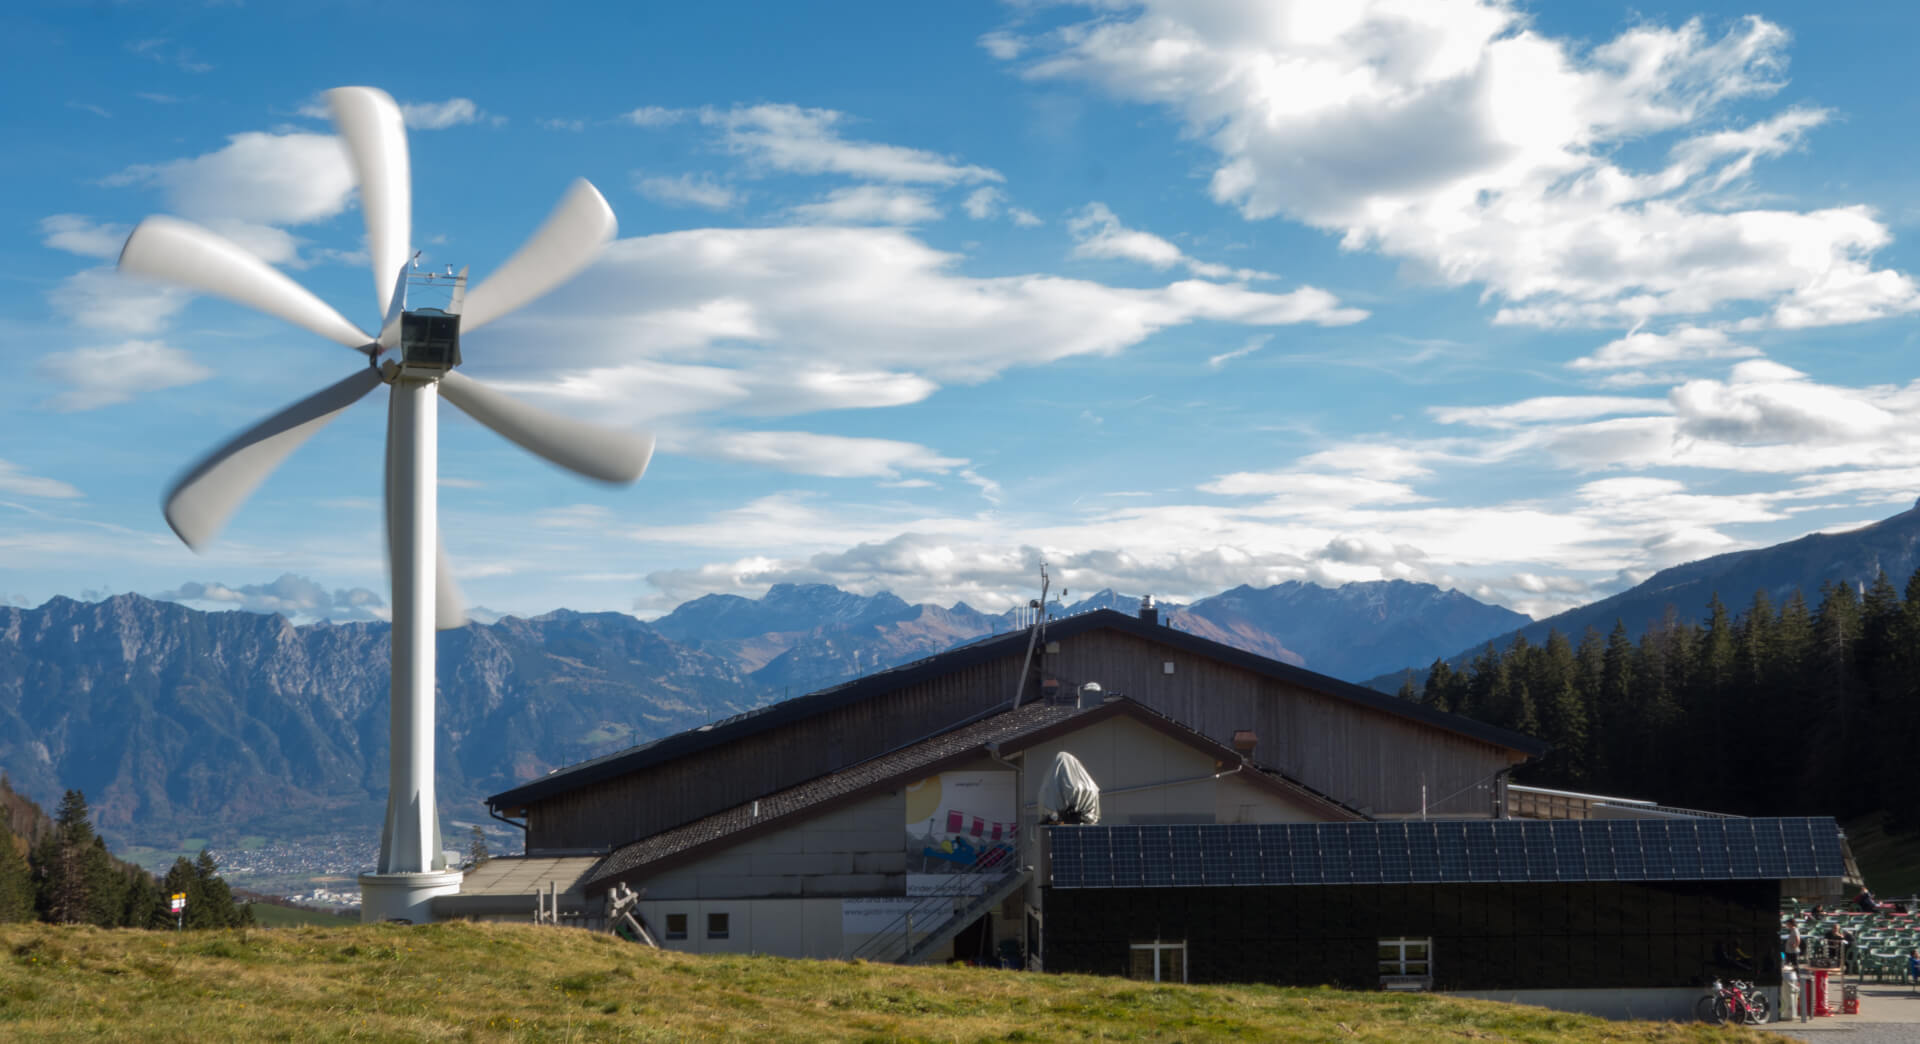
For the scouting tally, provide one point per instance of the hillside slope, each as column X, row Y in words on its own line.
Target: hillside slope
column 520, row 982
column 1854, row 557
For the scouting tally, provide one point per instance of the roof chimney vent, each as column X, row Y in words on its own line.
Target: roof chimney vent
column 1147, row 611
column 1244, row 741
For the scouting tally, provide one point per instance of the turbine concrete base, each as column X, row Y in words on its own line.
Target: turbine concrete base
column 404, row 897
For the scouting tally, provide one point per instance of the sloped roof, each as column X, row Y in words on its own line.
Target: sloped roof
column 986, row 650
column 1004, row 732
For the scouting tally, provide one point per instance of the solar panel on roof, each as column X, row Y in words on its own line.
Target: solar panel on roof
column 1443, row 851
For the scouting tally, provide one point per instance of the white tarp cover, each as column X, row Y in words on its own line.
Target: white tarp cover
column 1069, row 791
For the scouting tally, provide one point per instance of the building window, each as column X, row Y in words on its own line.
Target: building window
column 1406, row 963
column 1158, row 961
column 677, row 926
column 716, row 926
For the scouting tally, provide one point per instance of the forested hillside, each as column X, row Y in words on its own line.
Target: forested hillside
column 58, row 870
column 1774, row 709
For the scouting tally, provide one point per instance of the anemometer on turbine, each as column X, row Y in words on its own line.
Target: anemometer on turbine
column 417, row 354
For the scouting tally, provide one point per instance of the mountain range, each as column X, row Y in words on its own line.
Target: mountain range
column 176, row 721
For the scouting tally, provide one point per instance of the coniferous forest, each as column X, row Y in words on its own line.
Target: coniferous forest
column 58, row 870
column 1768, row 710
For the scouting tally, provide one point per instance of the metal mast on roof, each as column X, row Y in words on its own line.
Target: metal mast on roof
column 1039, row 607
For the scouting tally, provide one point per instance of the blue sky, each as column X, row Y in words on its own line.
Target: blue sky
column 1525, row 300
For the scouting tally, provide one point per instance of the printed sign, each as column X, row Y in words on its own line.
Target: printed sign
column 866, row 916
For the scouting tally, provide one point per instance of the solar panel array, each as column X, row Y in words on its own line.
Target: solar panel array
column 1445, row 852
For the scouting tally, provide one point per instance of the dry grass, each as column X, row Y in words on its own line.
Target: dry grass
column 473, row 982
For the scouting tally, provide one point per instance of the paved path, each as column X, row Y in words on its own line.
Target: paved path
column 1888, row 1015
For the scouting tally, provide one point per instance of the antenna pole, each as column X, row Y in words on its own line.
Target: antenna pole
column 1020, row 687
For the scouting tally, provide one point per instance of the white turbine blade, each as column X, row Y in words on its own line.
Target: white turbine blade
column 185, row 254
column 199, row 504
column 376, row 138
column 573, row 235
column 449, row 607
column 599, row 453
column 390, row 326
column 459, row 292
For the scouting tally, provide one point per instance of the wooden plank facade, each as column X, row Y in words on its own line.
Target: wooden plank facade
column 1369, row 758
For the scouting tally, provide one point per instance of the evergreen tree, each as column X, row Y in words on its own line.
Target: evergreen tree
column 63, row 865
column 477, row 854
column 143, row 905
column 106, row 885
column 1438, row 692
column 16, row 877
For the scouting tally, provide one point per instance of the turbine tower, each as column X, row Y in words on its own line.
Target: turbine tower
column 415, row 354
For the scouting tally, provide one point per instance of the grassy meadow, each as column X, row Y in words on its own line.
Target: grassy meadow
column 476, row 982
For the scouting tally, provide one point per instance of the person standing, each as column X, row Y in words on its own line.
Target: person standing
column 1791, row 948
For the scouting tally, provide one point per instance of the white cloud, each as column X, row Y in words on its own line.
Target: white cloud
column 255, row 185
column 102, row 299
column 654, row 116
column 1684, row 344
column 787, row 318
column 693, row 190
column 870, row 205
column 593, row 517
column 1098, row 233
column 1217, row 361
column 79, row 234
column 294, row 596
column 102, row 376
column 258, row 178
column 988, row 202
column 18, row 483
column 984, row 202
column 1547, row 408
column 832, row 456
column 808, row 141
column 439, row 115
column 562, row 123
column 1456, row 136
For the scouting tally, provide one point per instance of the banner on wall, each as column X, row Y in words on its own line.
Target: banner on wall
column 866, row 916
column 957, row 823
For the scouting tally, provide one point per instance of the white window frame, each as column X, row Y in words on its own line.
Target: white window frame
column 1403, row 966
column 1159, row 946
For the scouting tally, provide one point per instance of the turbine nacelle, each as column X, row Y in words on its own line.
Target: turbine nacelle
column 429, row 346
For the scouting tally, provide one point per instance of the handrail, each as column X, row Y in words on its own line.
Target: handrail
column 994, row 863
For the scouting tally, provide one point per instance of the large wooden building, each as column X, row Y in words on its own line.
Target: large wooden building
column 898, row 817
column 1384, row 756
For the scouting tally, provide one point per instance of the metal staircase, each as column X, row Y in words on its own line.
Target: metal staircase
column 965, row 915
column 932, row 920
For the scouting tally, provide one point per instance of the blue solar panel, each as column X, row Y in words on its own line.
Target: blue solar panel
column 1444, row 851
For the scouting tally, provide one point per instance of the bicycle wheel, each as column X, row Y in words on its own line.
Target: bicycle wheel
column 1759, row 1008
column 1725, row 1010
column 1705, row 1006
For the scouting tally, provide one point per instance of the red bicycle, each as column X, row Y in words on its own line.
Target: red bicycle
column 1734, row 1001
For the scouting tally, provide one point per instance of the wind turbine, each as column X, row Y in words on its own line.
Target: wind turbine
column 415, row 355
